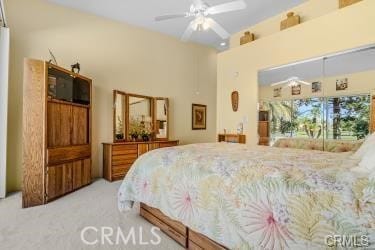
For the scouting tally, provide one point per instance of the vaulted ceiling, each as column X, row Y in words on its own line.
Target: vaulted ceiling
column 142, row 13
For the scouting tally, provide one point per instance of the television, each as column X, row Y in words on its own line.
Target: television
column 81, row 91
column 60, row 85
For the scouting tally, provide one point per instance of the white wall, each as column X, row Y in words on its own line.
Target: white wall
column 116, row 56
column 343, row 29
column 307, row 11
column 4, row 67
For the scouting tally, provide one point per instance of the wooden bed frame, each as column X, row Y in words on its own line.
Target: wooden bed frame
column 177, row 231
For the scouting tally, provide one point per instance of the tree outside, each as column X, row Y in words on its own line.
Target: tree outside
column 344, row 118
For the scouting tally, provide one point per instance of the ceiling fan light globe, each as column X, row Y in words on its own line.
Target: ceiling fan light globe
column 205, row 26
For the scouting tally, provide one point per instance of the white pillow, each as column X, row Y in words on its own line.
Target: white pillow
column 367, row 164
column 368, row 145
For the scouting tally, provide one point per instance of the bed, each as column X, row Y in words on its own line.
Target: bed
column 242, row 197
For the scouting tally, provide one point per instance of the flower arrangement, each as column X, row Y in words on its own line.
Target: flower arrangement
column 140, row 128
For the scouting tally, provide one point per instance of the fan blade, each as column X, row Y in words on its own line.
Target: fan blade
column 167, row 17
column 279, row 83
column 197, row 2
column 190, row 29
column 303, row 82
column 226, row 7
column 217, row 28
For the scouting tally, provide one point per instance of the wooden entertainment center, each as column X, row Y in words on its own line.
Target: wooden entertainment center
column 56, row 132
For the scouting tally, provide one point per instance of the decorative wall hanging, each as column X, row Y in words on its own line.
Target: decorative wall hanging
column 235, row 100
column 342, row 84
column 296, row 90
column 316, row 87
column 277, row 92
column 199, row 116
column 344, row 3
column 290, row 21
column 248, row 37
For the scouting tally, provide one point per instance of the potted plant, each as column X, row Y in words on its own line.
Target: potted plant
column 134, row 134
column 145, row 135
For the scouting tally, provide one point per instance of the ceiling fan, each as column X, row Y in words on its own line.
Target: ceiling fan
column 291, row 82
column 201, row 11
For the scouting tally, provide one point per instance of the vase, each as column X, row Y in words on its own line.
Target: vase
column 134, row 137
column 145, row 138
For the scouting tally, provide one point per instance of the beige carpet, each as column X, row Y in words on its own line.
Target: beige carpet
column 58, row 225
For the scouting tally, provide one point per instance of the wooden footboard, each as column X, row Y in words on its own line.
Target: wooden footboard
column 177, row 231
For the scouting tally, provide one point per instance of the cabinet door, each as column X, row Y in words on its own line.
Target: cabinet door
column 263, row 129
column 58, row 124
column 81, row 173
column 153, row 146
column 80, row 126
column 142, row 149
column 58, row 180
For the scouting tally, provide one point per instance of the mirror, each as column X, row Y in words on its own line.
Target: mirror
column 161, row 118
column 140, row 117
column 325, row 98
column 119, row 116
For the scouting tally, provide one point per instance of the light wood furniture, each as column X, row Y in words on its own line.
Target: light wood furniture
column 119, row 157
column 373, row 115
column 344, row 3
column 56, row 133
column 290, row 21
column 264, row 128
column 176, row 230
column 247, row 38
column 233, row 138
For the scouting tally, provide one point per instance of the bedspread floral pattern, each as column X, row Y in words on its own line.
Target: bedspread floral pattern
column 254, row 197
column 335, row 146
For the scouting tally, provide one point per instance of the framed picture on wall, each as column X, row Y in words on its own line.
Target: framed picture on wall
column 296, row 90
column 341, row 84
column 316, row 87
column 199, row 116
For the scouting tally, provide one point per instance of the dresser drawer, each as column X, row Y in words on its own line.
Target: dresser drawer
column 120, row 170
column 168, row 144
column 172, row 228
column 124, row 149
column 123, row 159
column 119, row 157
column 61, row 155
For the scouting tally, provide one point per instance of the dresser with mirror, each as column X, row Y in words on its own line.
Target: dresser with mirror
column 140, row 124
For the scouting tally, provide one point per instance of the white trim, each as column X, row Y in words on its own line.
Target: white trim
column 4, row 77
column 2, row 13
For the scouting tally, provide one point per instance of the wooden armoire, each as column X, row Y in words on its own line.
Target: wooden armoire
column 264, row 128
column 56, row 132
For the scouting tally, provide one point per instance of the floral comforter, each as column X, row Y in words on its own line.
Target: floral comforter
column 255, row 197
